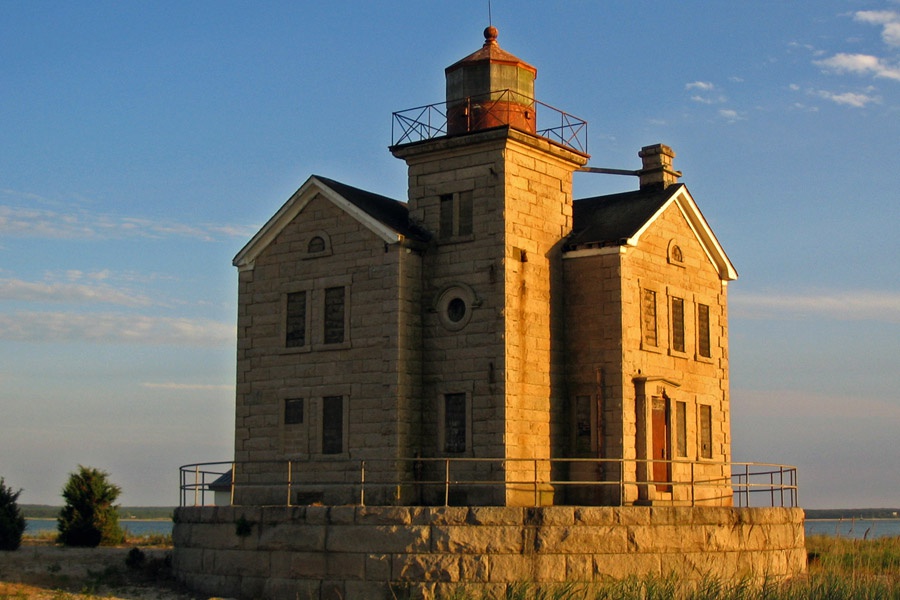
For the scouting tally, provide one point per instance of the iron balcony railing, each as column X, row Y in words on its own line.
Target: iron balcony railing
column 747, row 484
column 501, row 106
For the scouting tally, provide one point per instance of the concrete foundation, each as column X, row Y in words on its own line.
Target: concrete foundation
column 359, row 552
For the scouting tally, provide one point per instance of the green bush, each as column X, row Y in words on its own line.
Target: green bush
column 12, row 523
column 90, row 516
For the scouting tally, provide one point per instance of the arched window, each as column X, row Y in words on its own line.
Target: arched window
column 316, row 245
column 676, row 256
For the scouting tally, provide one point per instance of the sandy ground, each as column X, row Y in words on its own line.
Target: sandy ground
column 42, row 570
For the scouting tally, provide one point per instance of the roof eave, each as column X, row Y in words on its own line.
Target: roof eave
column 246, row 258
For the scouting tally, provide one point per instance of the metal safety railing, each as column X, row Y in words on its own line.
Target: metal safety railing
column 583, row 481
column 498, row 107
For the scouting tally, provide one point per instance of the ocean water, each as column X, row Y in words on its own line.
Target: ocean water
column 135, row 527
column 854, row 528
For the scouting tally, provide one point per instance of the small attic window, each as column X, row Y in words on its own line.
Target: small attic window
column 318, row 245
column 676, row 256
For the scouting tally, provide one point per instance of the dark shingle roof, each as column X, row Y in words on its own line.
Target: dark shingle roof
column 392, row 213
column 612, row 219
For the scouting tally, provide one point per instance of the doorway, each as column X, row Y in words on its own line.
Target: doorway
column 660, row 442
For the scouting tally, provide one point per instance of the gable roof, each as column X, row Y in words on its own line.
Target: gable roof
column 385, row 217
column 617, row 220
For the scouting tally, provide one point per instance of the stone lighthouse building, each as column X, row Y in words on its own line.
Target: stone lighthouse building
column 487, row 383
column 490, row 317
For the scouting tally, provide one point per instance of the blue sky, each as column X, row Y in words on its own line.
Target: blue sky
column 143, row 143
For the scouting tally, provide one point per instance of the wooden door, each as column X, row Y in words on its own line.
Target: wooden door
column 662, row 471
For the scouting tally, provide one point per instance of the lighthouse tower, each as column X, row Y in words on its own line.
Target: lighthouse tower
column 498, row 198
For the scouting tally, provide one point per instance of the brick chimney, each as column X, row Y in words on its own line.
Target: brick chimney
column 656, row 171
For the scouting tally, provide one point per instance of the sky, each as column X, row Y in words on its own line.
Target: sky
column 143, row 143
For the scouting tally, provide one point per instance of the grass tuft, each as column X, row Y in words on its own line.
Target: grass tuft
column 839, row 569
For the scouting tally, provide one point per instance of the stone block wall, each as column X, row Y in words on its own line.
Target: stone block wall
column 379, row 553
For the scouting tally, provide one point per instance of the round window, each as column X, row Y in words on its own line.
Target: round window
column 456, row 310
column 454, row 305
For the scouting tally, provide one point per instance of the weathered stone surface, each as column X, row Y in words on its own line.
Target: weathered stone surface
column 482, row 539
column 301, row 538
column 514, row 547
column 581, row 540
column 378, row 538
column 425, row 567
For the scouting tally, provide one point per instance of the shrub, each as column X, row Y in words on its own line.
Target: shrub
column 90, row 516
column 12, row 523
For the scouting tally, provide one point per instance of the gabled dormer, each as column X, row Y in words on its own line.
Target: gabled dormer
column 386, row 218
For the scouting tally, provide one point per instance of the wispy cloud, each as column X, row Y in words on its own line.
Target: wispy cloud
column 188, row 387
column 889, row 21
column 854, row 99
column 860, row 64
column 34, row 326
column 843, row 306
column 76, row 293
column 79, row 224
column 704, row 86
column 705, row 92
column 732, row 116
column 869, row 64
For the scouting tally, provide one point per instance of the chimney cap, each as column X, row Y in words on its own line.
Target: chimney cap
column 656, row 170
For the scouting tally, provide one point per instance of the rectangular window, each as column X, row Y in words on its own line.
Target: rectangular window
column 464, row 211
column 446, row 224
column 332, row 424
column 293, row 411
column 295, row 325
column 703, row 341
column 678, row 324
column 705, row 431
column 680, row 429
column 334, row 315
column 456, row 214
column 455, row 418
column 648, row 314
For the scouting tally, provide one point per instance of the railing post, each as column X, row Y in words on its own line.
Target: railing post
column 362, row 483
column 693, row 483
column 196, row 483
column 746, row 485
column 446, row 482
column 233, row 473
column 290, row 479
column 772, row 488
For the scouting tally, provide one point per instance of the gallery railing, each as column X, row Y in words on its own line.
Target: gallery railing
column 489, row 110
column 741, row 484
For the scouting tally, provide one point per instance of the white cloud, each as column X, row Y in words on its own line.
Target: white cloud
column 849, row 98
column 76, row 223
column 844, row 306
column 31, row 291
column 732, row 116
column 33, row 326
column 888, row 19
column 860, row 64
column 704, row 86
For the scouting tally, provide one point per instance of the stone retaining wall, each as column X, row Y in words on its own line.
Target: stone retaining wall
column 358, row 552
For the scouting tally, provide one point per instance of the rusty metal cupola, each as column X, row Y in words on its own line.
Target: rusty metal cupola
column 490, row 88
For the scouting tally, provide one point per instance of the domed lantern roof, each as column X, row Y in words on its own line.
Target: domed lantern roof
column 490, row 88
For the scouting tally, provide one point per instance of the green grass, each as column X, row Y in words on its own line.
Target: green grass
column 839, row 569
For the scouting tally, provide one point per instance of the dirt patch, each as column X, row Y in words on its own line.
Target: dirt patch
column 40, row 570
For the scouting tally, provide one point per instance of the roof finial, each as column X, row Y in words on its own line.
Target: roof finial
column 490, row 32
column 490, row 35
